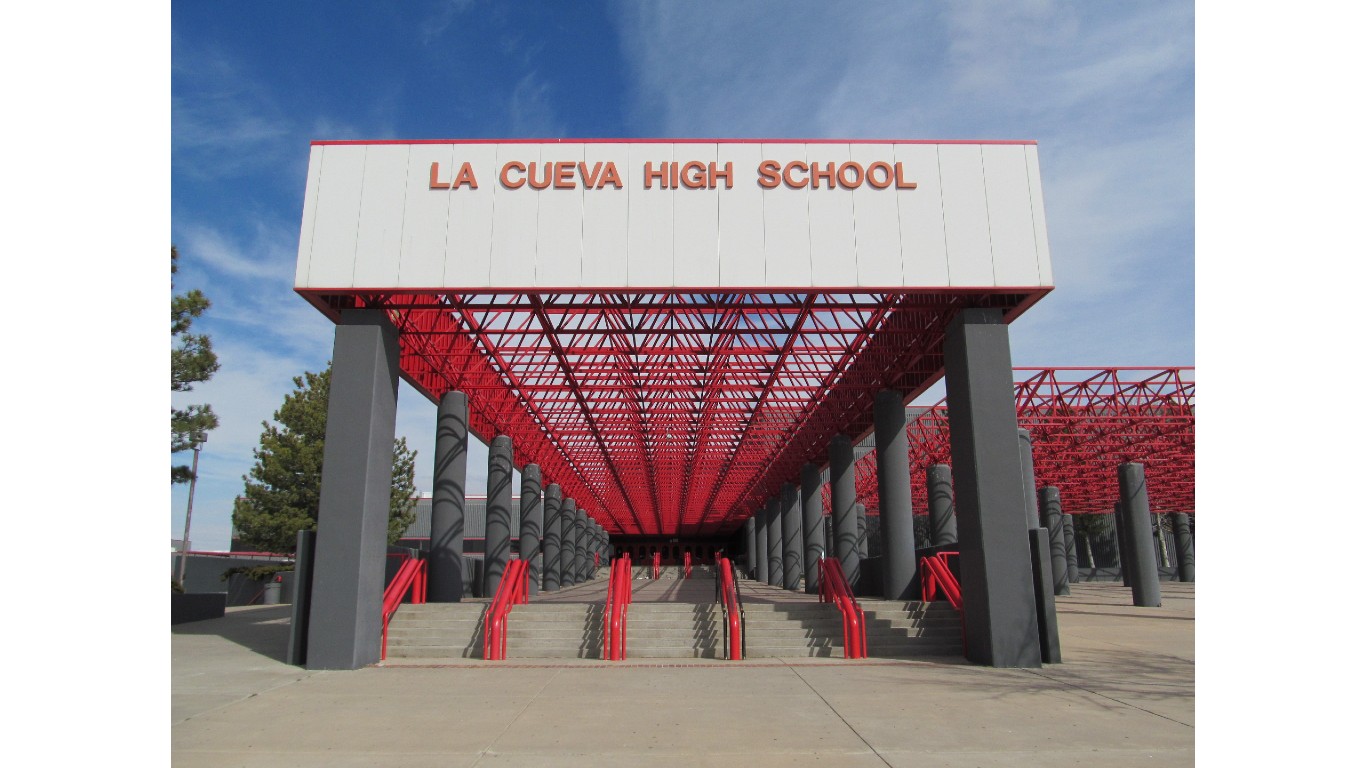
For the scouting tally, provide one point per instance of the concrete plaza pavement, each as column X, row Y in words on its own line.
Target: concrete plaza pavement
column 1125, row 695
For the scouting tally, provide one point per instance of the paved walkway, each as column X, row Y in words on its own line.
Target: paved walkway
column 1124, row 696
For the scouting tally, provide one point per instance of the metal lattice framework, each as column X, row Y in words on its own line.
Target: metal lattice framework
column 671, row 412
column 1084, row 422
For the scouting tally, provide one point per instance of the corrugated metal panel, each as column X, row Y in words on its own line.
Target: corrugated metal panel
column 475, row 511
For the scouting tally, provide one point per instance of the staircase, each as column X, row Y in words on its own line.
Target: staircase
column 777, row 624
column 674, row 630
column 438, row 631
column 900, row 628
column 556, row 631
column 793, row 629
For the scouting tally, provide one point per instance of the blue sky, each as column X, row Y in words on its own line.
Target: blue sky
column 1107, row 89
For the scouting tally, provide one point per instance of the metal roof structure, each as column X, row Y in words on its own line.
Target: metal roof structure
column 1084, row 422
column 673, row 412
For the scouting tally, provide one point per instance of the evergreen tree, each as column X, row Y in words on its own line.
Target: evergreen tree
column 192, row 361
column 284, row 486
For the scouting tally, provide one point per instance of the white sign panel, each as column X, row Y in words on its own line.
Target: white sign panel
column 757, row 215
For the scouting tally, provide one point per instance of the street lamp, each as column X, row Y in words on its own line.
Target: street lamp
column 199, row 439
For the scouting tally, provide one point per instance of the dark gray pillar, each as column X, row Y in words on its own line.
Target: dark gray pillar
column 773, row 509
column 529, row 548
column 939, row 489
column 1069, row 536
column 580, row 546
column 1122, row 542
column 568, row 510
column 842, row 499
column 894, row 496
column 1050, row 515
column 1143, row 575
column 813, row 526
column 1185, row 546
column 792, row 537
column 498, row 517
column 1027, row 478
column 1000, row 620
column 550, row 581
column 861, row 517
column 303, row 585
column 752, row 542
column 1050, row 650
column 445, row 558
column 760, row 519
column 353, row 506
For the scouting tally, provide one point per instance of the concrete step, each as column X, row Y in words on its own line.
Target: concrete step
column 753, row 651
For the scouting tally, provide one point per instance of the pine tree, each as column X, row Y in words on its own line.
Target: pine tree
column 192, row 361
column 284, row 486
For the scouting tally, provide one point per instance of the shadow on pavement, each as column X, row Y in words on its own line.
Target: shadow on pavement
column 260, row 629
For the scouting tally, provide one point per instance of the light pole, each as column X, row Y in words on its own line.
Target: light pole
column 199, row 439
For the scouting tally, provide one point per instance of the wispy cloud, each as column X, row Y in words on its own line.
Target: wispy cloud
column 440, row 19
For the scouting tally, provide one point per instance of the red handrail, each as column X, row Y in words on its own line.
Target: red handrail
column 834, row 588
column 936, row 576
column 512, row 590
column 412, row 575
column 687, row 565
column 614, row 612
column 655, row 563
column 730, row 599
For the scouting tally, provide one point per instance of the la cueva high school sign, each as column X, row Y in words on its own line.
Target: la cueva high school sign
column 673, row 215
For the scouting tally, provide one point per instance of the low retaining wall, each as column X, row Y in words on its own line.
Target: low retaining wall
column 197, row 607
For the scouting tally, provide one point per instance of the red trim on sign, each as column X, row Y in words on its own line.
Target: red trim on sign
column 351, row 142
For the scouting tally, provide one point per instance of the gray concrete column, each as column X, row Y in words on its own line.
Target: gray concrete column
column 752, row 544
column 894, row 496
column 1185, row 547
column 861, row 517
column 792, row 537
column 1050, row 649
column 580, row 546
column 353, row 506
column 445, row 558
column 568, row 510
column 550, row 581
column 498, row 523
column 1122, row 542
column 843, row 522
column 1143, row 575
column 304, row 546
column 1069, row 536
column 760, row 519
column 529, row 548
column 1050, row 515
column 773, row 510
column 1000, row 620
column 939, row 489
column 1032, row 519
column 813, row 526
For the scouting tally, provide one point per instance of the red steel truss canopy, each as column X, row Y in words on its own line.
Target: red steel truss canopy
column 672, row 412
column 1084, row 423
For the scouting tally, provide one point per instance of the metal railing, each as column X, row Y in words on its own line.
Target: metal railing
column 834, row 588
column 732, row 611
column 512, row 590
column 936, row 577
column 615, row 609
column 411, row 576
